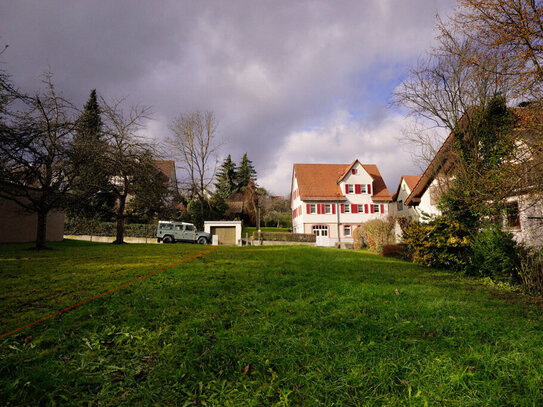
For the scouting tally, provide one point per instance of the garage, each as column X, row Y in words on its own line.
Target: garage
column 224, row 232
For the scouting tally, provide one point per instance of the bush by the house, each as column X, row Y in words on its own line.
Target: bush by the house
column 494, row 254
column 441, row 243
column 374, row 234
column 531, row 271
column 286, row 237
column 393, row 250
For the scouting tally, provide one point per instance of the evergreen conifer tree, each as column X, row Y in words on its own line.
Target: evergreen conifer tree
column 89, row 147
column 226, row 178
column 246, row 171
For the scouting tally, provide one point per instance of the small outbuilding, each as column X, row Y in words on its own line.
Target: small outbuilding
column 227, row 232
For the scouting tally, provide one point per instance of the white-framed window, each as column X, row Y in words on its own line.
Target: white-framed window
column 347, row 230
column 312, row 208
column 320, row 230
column 363, row 188
column 376, row 208
column 327, row 208
column 350, row 188
column 360, row 208
column 347, row 208
column 400, row 205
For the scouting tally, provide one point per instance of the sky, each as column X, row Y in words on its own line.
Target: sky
column 288, row 81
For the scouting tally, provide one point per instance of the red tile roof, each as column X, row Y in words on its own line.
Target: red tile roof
column 410, row 180
column 166, row 167
column 320, row 182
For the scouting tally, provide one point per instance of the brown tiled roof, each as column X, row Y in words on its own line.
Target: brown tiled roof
column 410, row 180
column 166, row 167
column 380, row 191
column 319, row 182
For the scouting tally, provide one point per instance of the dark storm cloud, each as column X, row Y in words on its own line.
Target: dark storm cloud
column 269, row 70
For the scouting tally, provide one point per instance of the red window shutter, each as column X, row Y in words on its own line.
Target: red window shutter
column 342, row 208
column 371, row 208
column 354, row 208
column 357, row 188
column 365, row 208
column 346, row 189
column 318, row 209
column 353, row 172
column 333, row 209
column 382, row 208
column 308, row 208
column 369, row 189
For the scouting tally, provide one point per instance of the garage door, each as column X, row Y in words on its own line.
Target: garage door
column 226, row 234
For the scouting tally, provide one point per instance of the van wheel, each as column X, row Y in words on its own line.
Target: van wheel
column 202, row 240
column 167, row 239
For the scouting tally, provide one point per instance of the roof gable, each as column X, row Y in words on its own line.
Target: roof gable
column 321, row 181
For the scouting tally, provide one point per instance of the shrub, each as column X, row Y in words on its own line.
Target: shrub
column 393, row 250
column 531, row 271
column 440, row 243
column 286, row 237
column 494, row 254
column 374, row 234
column 96, row 228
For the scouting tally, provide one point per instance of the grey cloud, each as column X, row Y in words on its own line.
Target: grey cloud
column 267, row 68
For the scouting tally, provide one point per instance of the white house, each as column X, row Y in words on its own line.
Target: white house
column 524, row 212
column 331, row 200
column 398, row 207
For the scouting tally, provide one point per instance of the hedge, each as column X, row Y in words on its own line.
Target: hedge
column 93, row 228
column 286, row 237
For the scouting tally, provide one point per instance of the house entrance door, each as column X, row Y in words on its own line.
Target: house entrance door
column 321, row 232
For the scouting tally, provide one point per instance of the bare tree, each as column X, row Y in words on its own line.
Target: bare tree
column 35, row 143
column 194, row 138
column 128, row 160
column 509, row 30
column 440, row 90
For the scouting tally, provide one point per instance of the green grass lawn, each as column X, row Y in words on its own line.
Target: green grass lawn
column 259, row 326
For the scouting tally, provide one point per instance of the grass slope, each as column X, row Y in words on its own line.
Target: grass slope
column 259, row 326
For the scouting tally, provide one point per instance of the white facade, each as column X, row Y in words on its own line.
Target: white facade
column 428, row 203
column 398, row 207
column 335, row 220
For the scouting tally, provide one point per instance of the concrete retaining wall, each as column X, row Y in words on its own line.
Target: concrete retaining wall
column 110, row 239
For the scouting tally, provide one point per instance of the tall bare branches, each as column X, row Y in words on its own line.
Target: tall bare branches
column 194, row 138
column 128, row 160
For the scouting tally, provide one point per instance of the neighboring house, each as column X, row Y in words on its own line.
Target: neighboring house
column 331, row 200
column 398, row 207
column 167, row 170
column 20, row 225
column 524, row 214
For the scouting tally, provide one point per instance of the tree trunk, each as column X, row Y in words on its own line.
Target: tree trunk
column 41, row 232
column 119, row 217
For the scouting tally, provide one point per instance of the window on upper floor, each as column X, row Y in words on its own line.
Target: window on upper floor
column 360, row 208
column 354, row 171
column 313, row 208
column 363, row 188
column 376, row 208
column 350, row 188
column 347, row 208
column 512, row 215
column 327, row 208
column 400, row 205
